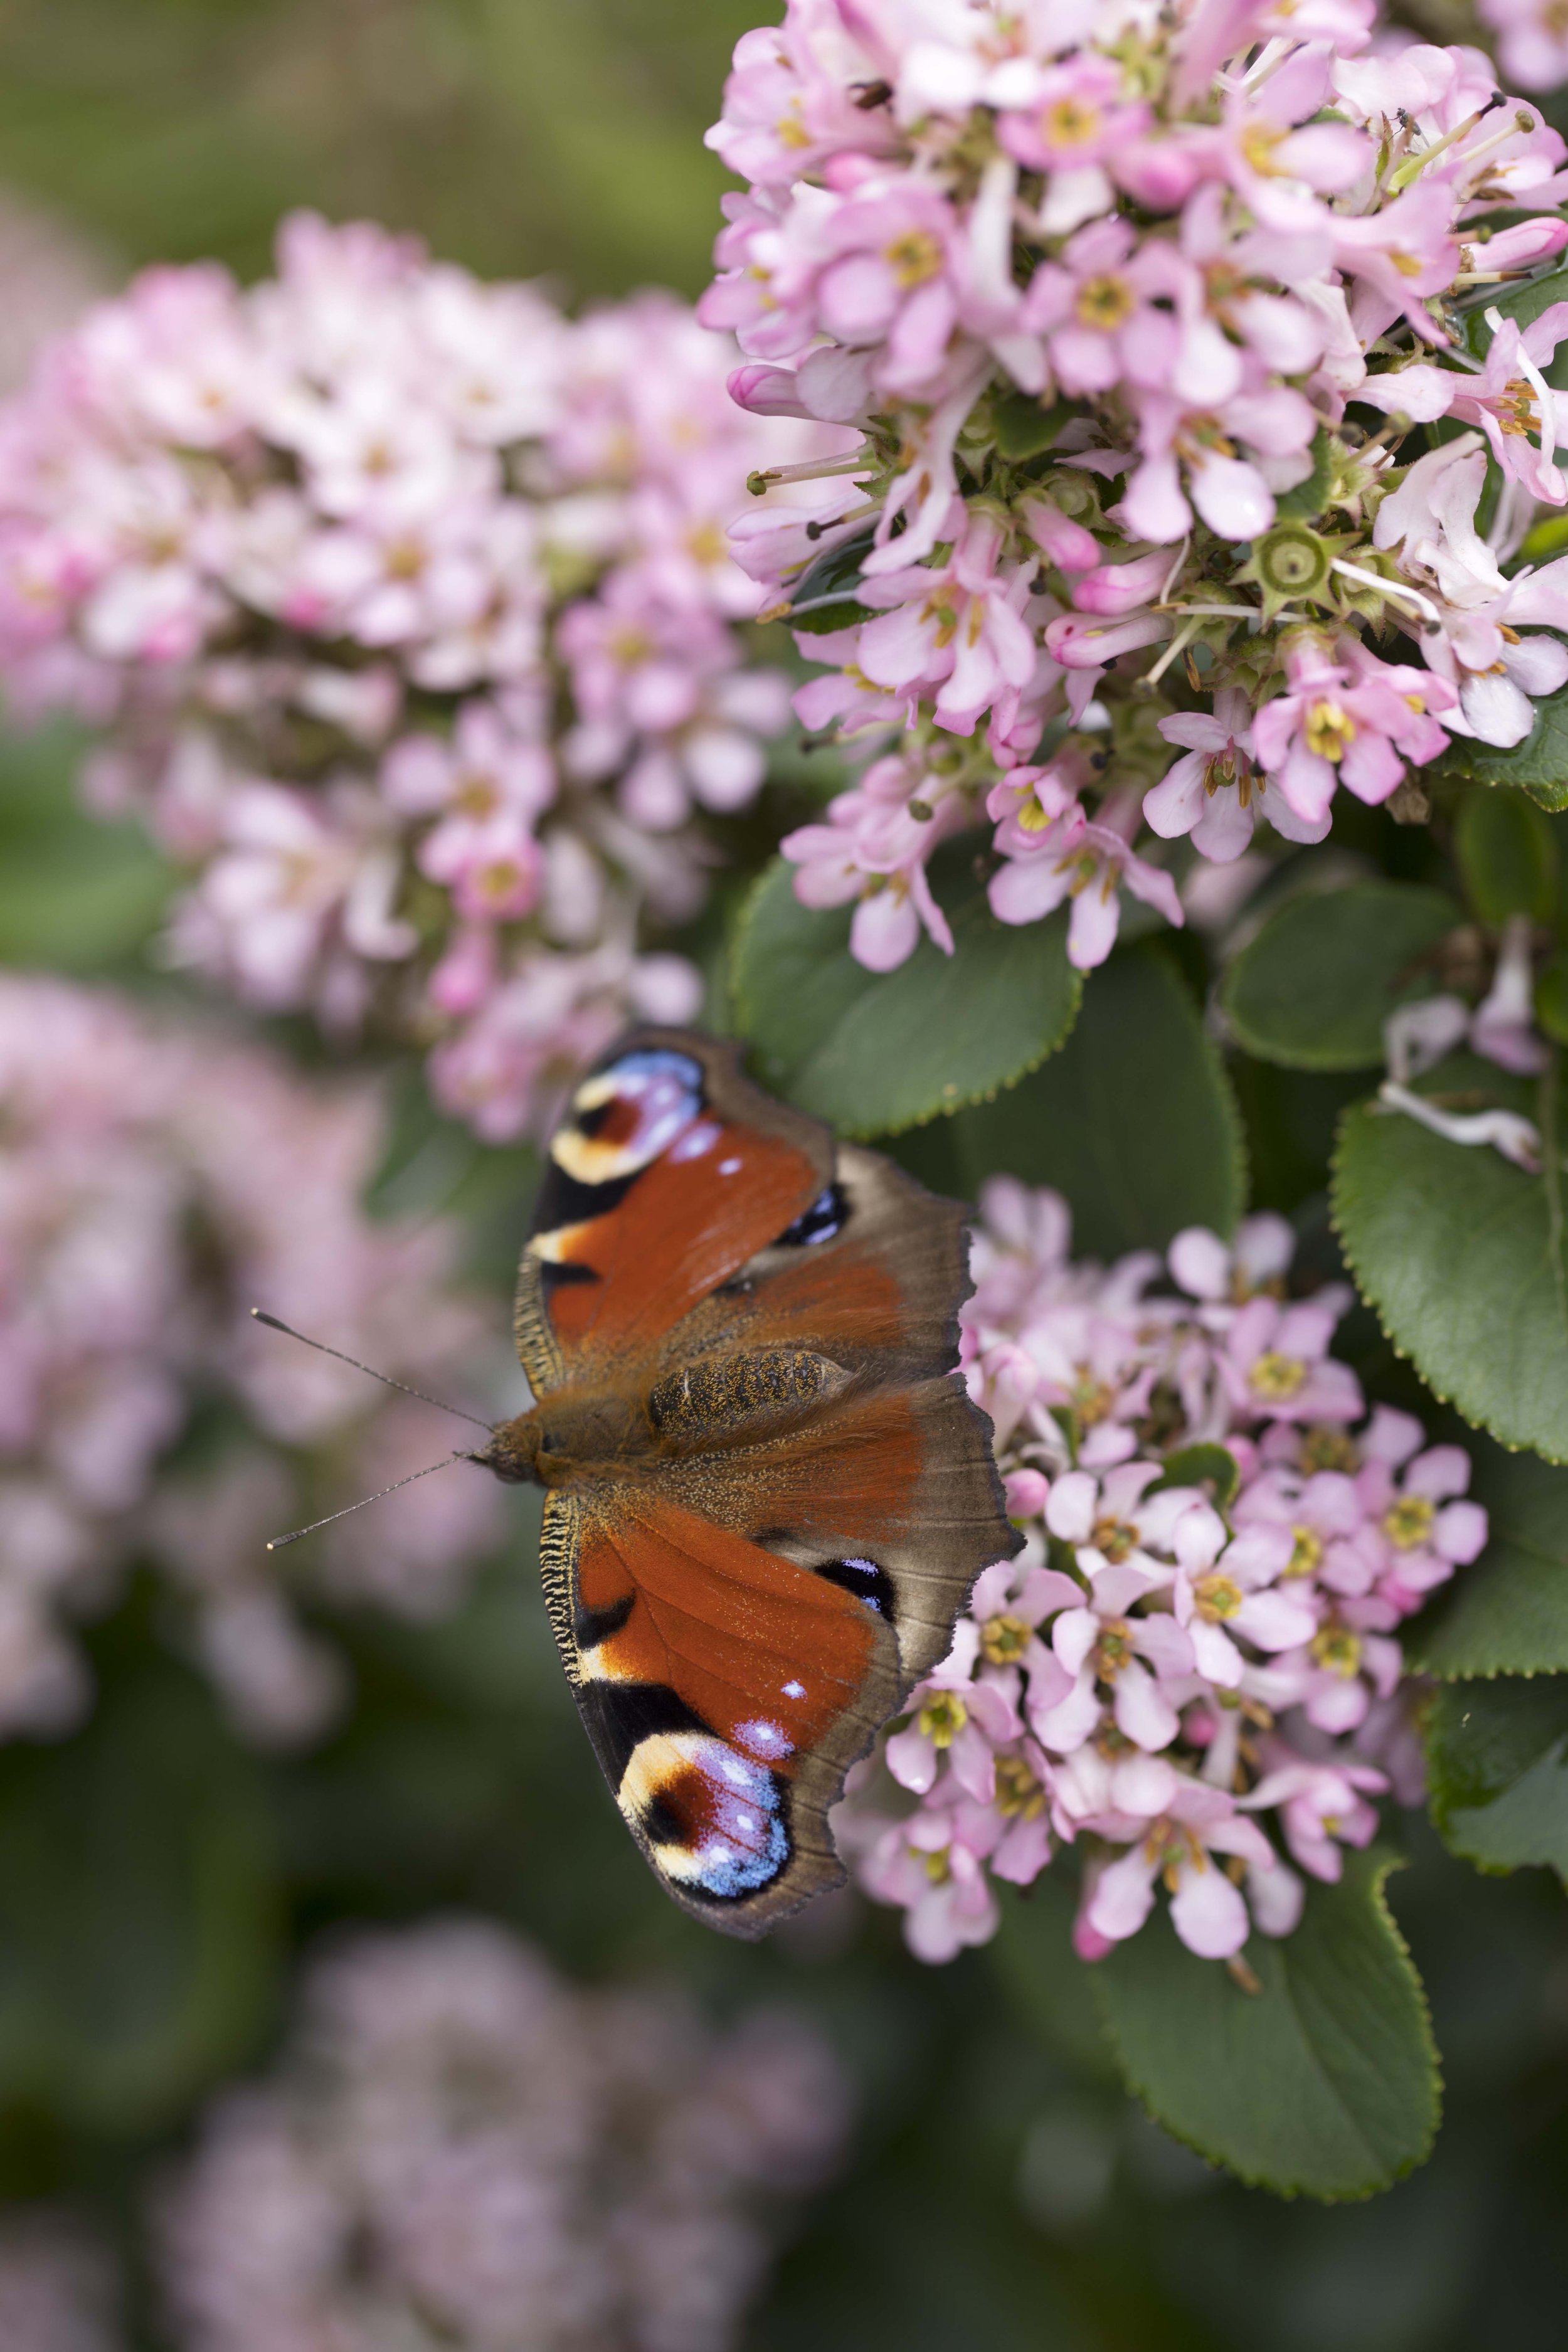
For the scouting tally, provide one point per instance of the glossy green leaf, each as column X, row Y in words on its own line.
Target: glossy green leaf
column 1133, row 1121
column 1215, row 1467
column 75, row 894
column 838, row 569
column 1497, row 1757
column 873, row 1053
column 1023, row 425
column 1313, row 988
column 1323, row 2082
column 1522, row 303
column 1461, row 1255
column 1507, row 1614
column 1508, row 855
column 1539, row 765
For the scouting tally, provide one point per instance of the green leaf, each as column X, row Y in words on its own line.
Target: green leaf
column 1496, row 1753
column 1133, row 1121
column 1508, row 855
column 1324, row 2082
column 75, row 894
column 1507, row 1614
column 139, row 1926
column 1023, row 426
column 1313, row 988
column 1461, row 1255
column 873, row 1053
column 1539, row 765
column 1034, row 1960
column 839, row 568
column 1523, row 304
column 1197, row 1465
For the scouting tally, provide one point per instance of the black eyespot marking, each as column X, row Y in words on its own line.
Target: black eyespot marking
column 827, row 1216
column 866, row 1580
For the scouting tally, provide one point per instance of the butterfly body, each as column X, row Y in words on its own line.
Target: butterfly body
column 767, row 1491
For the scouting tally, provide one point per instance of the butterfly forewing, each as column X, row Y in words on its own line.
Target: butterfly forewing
column 746, row 1581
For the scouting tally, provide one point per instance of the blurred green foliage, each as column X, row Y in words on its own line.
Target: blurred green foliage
column 519, row 136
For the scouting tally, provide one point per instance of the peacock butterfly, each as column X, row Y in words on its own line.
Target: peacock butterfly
column 767, row 1490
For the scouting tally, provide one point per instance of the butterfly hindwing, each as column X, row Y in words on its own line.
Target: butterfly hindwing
column 726, row 1691
column 745, row 1594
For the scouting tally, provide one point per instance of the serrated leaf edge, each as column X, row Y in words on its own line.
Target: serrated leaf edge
column 1388, row 1863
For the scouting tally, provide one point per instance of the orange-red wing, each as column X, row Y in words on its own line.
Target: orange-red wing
column 667, row 1174
column 725, row 1690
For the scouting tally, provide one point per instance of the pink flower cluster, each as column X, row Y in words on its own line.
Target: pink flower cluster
column 156, row 1184
column 410, row 603
column 1191, row 1674
column 461, row 2148
column 57, row 2285
column 1531, row 38
column 1141, row 317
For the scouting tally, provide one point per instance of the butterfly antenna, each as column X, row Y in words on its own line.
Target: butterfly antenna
column 277, row 1543
column 385, row 1379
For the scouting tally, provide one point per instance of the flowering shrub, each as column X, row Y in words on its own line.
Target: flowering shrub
column 410, row 603
column 1196, row 1646
column 156, row 1184
column 1186, row 353
column 459, row 2144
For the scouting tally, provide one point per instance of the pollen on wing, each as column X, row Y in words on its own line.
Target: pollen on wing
column 712, row 1817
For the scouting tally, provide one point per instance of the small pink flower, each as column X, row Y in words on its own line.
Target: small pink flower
column 1319, row 1804
column 1084, row 864
column 1206, row 1908
column 1276, row 1364
column 924, row 1865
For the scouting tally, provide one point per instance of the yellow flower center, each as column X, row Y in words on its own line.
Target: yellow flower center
column 1258, row 142
column 1408, row 1522
column 1219, row 1597
column 1071, row 123
column 943, row 1717
column 707, row 543
column 1105, row 302
column 1003, row 1640
column 1276, row 1377
column 1306, row 1552
column 914, row 257
column 1517, row 413
column 791, row 132
column 1113, row 1648
column 1329, row 1449
column 1091, row 1399
column 1331, row 730
column 476, row 796
column 1338, row 1648
column 1032, row 817
column 1114, row 1538
column 938, row 1868
column 499, row 879
column 1019, row 1796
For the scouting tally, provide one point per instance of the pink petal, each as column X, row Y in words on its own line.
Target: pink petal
column 1208, row 1913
